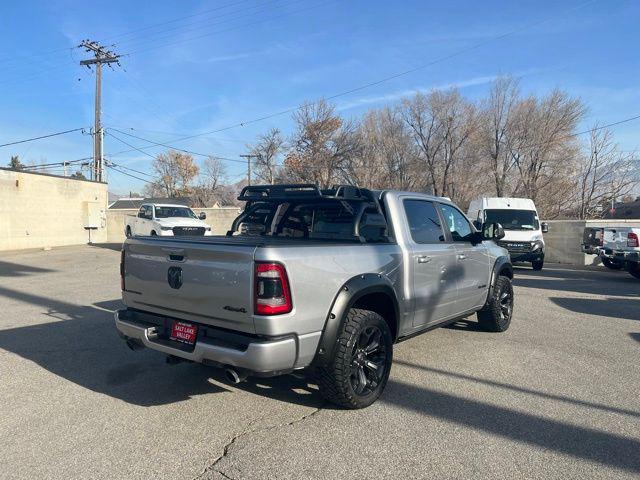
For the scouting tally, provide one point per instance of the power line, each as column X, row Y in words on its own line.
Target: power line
column 43, row 136
column 110, row 165
column 171, row 147
column 162, row 45
column 131, row 169
column 128, row 144
column 391, row 77
column 590, row 130
column 57, row 163
column 204, row 24
column 177, row 134
column 174, row 20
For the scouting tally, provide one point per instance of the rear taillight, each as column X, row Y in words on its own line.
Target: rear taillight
column 632, row 240
column 272, row 295
column 122, row 269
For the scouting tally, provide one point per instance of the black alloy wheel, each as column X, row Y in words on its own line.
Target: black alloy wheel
column 368, row 361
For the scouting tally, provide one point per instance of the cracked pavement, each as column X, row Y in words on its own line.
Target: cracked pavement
column 554, row 397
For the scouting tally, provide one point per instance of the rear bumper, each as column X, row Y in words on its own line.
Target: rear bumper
column 624, row 256
column 261, row 356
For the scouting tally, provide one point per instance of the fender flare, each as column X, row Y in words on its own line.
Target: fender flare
column 502, row 266
column 352, row 290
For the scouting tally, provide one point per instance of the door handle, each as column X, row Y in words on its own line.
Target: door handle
column 461, row 256
column 424, row 259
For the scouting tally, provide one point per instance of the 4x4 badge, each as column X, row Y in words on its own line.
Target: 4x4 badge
column 174, row 277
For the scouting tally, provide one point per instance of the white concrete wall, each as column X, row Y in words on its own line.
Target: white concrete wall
column 564, row 238
column 219, row 219
column 38, row 210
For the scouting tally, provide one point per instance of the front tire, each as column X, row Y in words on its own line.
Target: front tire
column 537, row 264
column 358, row 372
column 496, row 315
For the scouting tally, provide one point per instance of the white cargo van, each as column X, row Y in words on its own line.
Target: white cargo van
column 522, row 228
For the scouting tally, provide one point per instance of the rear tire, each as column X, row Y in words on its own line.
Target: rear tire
column 537, row 264
column 496, row 315
column 153, row 233
column 358, row 372
column 607, row 262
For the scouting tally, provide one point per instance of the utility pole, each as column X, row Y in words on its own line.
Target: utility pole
column 249, row 157
column 100, row 55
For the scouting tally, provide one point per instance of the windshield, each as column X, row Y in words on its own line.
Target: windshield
column 169, row 212
column 513, row 219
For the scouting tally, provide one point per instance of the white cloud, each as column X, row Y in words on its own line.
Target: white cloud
column 393, row 96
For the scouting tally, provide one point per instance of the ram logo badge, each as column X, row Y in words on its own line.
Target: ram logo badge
column 174, row 277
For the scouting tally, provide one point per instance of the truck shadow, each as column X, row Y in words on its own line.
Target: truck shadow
column 576, row 441
column 80, row 344
column 622, row 308
column 578, row 281
column 109, row 246
column 9, row 269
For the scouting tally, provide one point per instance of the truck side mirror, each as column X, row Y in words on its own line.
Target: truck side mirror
column 202, row 216
column 492, row 231
column 544, row 226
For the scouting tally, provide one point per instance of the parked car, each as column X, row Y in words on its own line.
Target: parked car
column 523, row 231
column 322, row 280
column 622, row 248
column 166, row 220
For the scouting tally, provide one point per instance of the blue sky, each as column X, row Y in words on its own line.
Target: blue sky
column 231, row 61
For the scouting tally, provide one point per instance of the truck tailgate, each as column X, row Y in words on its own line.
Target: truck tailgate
column 214, row 285
column 615, row 238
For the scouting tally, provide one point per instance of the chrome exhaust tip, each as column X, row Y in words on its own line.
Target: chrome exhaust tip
column 233, row 376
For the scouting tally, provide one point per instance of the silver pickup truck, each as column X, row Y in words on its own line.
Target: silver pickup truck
column 322, row 280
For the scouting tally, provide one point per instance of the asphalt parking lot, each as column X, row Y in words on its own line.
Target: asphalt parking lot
column 556, row 396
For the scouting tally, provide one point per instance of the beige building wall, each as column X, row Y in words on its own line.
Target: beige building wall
column 38, row 210
column 564, row 239
column 219, row 219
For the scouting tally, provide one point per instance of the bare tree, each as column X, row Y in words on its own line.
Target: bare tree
column 605, row 173
column 321, row 145
column 541, row 143
column 212, row 175
column 496, row 126
column 269, row 150
column 176, row 172
column 388, row 155
column 441, row 123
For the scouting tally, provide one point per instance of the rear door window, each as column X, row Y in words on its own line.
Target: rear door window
column 424, row 222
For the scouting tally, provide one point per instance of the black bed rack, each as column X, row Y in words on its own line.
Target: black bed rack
column 302, row 191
